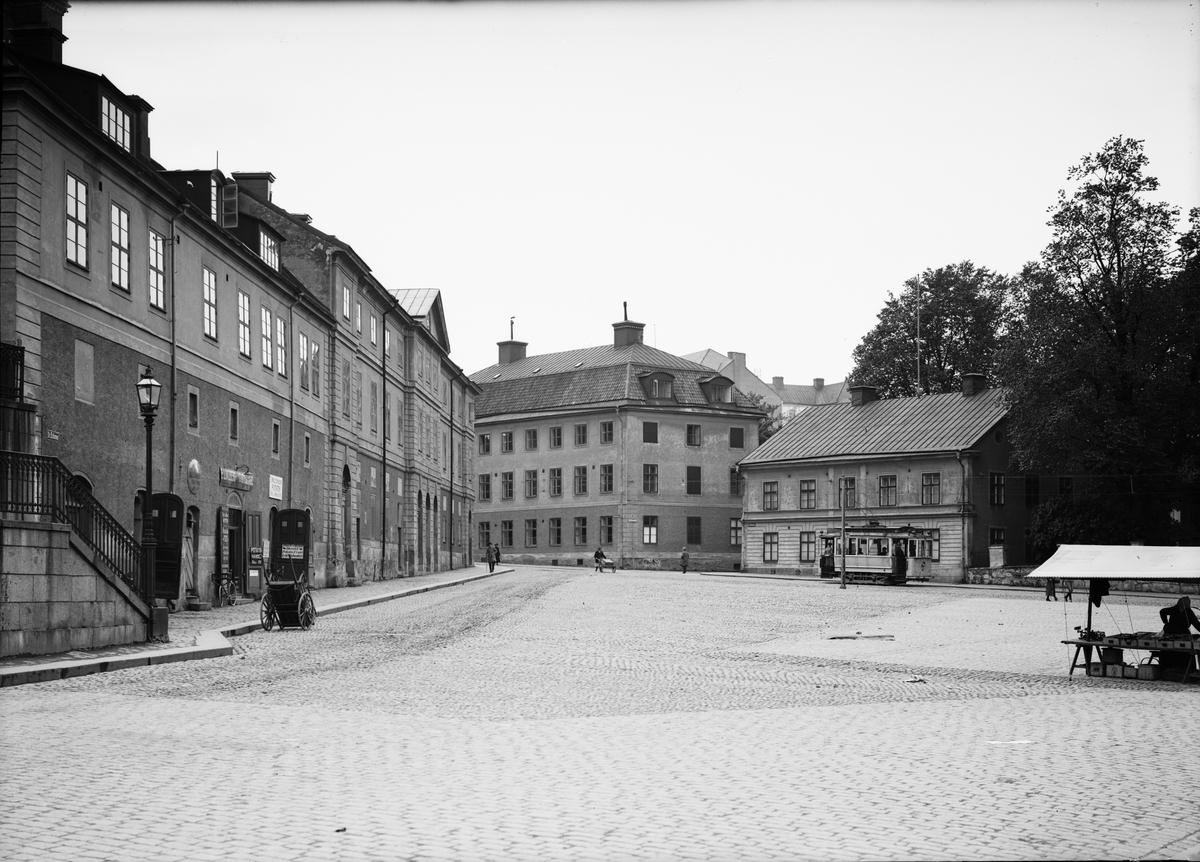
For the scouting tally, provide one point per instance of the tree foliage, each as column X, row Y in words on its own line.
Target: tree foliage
column 771, row 420
column 962, row 317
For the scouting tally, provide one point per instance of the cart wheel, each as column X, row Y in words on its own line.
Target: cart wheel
column 308, row 612
column 266, row 614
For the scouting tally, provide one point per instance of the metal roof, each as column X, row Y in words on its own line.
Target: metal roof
column 416, row 301
column 891, row 426
column 604, row 356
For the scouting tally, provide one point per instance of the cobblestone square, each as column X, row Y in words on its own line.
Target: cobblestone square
column 562, row 714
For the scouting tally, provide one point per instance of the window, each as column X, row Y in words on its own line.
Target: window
column 770, row 547
column 485, row 444
column 581, row 480
column 531, row 441
column 374, row 331
column 485, row 534
column 770, row 496
column 506, row 441
column 281, row 347
column 931, row 547
column 737, row 485
column 737, row 438
column 931, row 489
column 506, row 534
column 581, row 435
column 555, row 481
column 315, row 366
column 531, row 483
column 808, row 493
column 720, row 393
column 996, row 487
column 233, row 423
column 606, row 478
column 484, row 487
column 244, row 324
column 996, row 536
column 660, row 388
column 693, row 530
column 735, row 532
column 77, row 244
column 387, row 342
column 346, row 301
column 115, row 123
column 119, row 247
column 193, row 407
column 506, row 485
column 374, row 408
column 268, row 249
column 693, row 481
column 531, row 532
column 210, row 303
column 303, row 361
column 649, row 478
column 808, row 547
column 846, row 489
column 649, row 529
column 581, row 531
column 606, row 529
column 606, row 433
column 387, row 423
column 556, row 437
column 268, row 349
column 307, row 448
column 554, row 530
column 1032, row 489
column 358, row 317
column 275, row 437
column 887, row 490
column 1066, row 486
column 693, row 435
column 157, row 252
column 649, row 432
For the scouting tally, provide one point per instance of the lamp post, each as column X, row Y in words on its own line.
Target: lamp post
column 148, row 391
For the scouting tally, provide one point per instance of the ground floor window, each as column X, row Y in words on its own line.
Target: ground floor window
column 693, row 531
column 932, row 546
column 554, row 525
column 606, row 529
column 649, row 529
column 506, row 534
column 581, row 531
column 735, row 531
column 531, row 532
column 770, row 547
column 808, row 547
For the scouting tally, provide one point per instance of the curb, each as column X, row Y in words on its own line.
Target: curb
column 211, row 643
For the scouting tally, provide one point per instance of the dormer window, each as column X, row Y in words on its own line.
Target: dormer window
column 115, row 122
column 658, row 385
column 718, row 390
column 268, row 249
column 660, row 388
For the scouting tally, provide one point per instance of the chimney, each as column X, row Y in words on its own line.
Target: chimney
column 818, row 383
column 860, row 395
column 973, row 384
column 511, row 351
column 257, row 183
column 737, row 357
column 34, row 28
column 626, row 332
column 777, row 383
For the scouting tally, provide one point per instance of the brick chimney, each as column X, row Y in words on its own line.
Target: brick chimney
column 34, row 27
column 258, row 183
column 818, row 383
column 777, row 383
column 860, row 395
column 511, row 351
column 737, row 357
column 973, row 384
column 626, row 332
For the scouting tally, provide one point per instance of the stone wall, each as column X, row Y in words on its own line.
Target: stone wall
column 1013, row 576
column 55, row 598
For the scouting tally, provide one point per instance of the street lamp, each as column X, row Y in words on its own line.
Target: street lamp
column 148, row 391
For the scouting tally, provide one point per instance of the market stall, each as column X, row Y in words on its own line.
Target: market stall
column 1099, row 566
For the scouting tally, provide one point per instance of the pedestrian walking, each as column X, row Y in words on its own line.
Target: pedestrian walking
column 491, row 559
column 1050, row 593
column 599, row 558
column 1068, row 591
column 683, row 560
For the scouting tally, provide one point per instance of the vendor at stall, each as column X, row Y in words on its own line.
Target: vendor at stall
column 1178, row 620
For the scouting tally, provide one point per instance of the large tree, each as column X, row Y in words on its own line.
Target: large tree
column 961, row 310
column 1102, row 362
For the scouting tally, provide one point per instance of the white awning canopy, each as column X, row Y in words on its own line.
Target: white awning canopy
column 1121, row 563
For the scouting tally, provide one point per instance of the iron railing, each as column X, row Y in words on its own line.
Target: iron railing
column 43, row 486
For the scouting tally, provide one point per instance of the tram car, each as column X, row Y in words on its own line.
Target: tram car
column 869, row 552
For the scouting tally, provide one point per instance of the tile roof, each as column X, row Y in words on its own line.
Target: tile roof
column 709, row 357
column 811, row 396
column 931, row 423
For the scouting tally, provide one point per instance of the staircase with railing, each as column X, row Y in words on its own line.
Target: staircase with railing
column 43, row 487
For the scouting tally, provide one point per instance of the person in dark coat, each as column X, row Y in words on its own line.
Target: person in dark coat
column 1050, row 592
column 899, row 561
column 599, row 558
column 1178, row 621
column 683, row 560
column 491, row 559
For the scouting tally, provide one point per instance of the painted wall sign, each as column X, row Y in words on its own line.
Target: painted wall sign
column 276, row 490
column 241, row 480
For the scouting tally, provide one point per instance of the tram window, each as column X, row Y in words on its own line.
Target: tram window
column 862, row 546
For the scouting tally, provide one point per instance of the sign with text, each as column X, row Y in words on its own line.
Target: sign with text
column 275, row 492
column 241, row 480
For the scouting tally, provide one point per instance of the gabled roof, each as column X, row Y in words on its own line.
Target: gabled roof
column 424, row 304
column 709, row 357
column 811, row 396
column 587, row 357
column 891, row 426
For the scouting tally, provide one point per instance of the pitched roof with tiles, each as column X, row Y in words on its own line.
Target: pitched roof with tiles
column 890, row 426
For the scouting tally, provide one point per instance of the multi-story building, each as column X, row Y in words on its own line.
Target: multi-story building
column 786, row 399
column 622, row 447
column 795, row 398
column 937, row 462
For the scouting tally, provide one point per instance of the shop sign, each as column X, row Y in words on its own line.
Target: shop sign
column 276, row 490
column 239, row 480
column 291, row 552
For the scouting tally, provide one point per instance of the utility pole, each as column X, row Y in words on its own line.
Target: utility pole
column 842, row 502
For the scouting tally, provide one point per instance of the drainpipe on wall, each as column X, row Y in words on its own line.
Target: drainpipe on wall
column 171, row 470
column 387, row 431
column 965, row 552
column 450, row 514
column 292, row 402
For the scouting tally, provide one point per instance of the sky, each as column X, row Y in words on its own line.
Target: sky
column 747, row 175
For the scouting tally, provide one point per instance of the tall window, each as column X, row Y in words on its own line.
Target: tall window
column 931, row 489
column 996, row 488
column 531, row 488
column 281, row 347
column 649, row 529
column 554, row 481
column 606, row 478
column 506, row 485
column 374, row 408
column 606, row 433
column 210, row 303
column 770, row 547
column 556, row 437
column 606, row 529
column 735, row 532
column 374, row 331
column 693, row 435
column 887, row 490
column 531, row 532
column 387, row 429
column 268, row 348
column 315, row 365
column 506, row 441
column 808, row 493
column 358, row 317
column 387, row 342
column 244, row 324
column 554, row 531
column 737, row 438
column 581, row 531
column 581, row 435
column 649, row 478
column 119, row 247
column 506, row 534
column 77, row 240
column 303, row 361
column 214, row 191
column 770, row 496
column 846, row 489
column 693, row 530
column 485, row 444
column 233, row 423
column 531, row 439
column 649, row 432
column 737, row 485
column 693, row 481
column 484, row 487
column 581, row 480
column 485, row 534
column 268, row 249
column 156, row 251
column 115, row 123
column 808, row 547
column 996, row 536
column 346, row 301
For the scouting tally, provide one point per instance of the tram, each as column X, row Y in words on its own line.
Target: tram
column 869, row 553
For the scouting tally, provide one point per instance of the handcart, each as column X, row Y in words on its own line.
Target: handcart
column 287, row 603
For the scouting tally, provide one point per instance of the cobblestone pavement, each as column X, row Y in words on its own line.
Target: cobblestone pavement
column 550, row 714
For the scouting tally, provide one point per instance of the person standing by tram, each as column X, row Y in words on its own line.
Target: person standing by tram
column 899, row 560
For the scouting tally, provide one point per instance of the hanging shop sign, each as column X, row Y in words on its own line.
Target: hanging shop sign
column 239, row 480
column 276, row 490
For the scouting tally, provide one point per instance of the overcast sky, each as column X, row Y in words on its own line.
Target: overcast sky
column 750, row 176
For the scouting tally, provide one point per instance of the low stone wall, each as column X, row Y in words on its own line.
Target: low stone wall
column 53, row 598
column 1013, row 576
column 571, row 560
